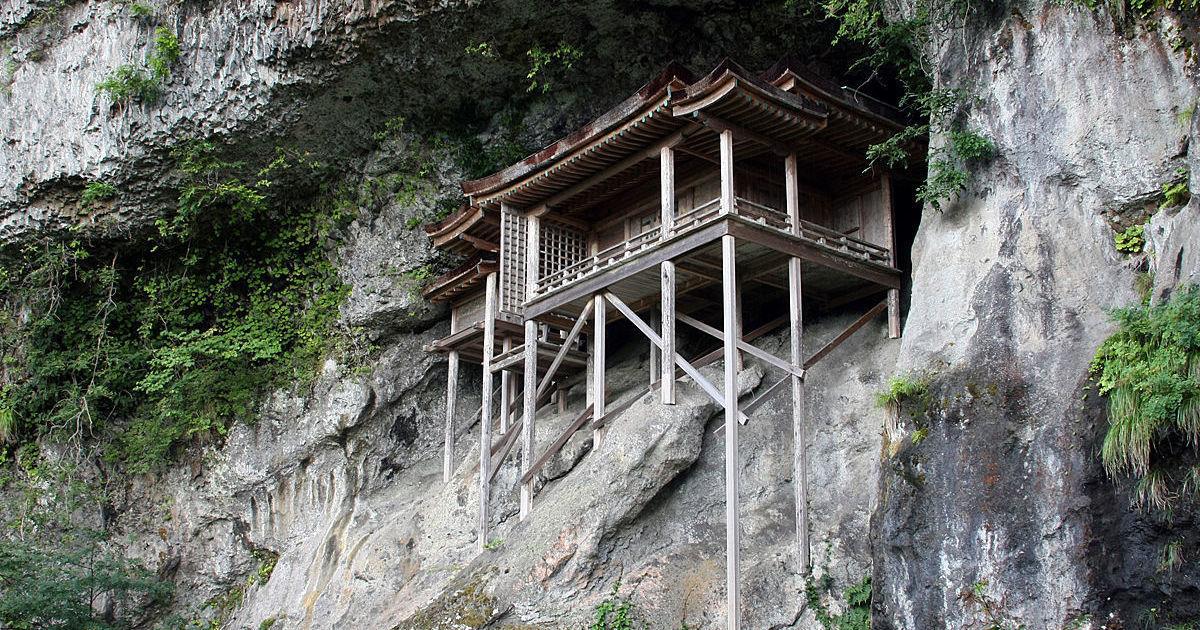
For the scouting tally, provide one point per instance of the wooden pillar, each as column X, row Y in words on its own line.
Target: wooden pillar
column 796, row 312
column 667, row 317
column 727, row 190
column 732, row 462
column 527, row 432
column 533, row 260
column 893, row 295
column 508, row 388
column 655, row 365
column 485, row 424
column 667, row 378
column 599, row 324
column 451, row 403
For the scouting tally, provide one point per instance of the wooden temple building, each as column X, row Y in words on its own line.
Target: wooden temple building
column 691, row 187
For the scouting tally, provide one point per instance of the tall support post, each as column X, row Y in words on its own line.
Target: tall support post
column 451, row 403
column 889, row 213
column 796, row 312
column 527, row 433
column 655, row 365
column 727, row 190
column 732, row 462
column 599, row 323
column 533, row 263
column 485, row 424
column 667, row 322
column 508, row 389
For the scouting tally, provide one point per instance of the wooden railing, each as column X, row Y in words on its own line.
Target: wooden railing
column 700, row 215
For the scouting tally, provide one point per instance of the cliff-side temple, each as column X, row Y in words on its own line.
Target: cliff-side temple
column 666, row 211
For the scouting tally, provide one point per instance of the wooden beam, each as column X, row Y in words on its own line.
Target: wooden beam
column 617, row 168
column 485, row 416
column 667, row 377
column 762, row 396
column 666, row 183
column 451, row 402
column 481, row 244
column 727, row 189
column 799, row 409
column 557, row 445
column 679, row 245
column 732, row 461
column 544, row 386
column 688, row 369
column 527, row 428
column 655, row 370
column 506, row 382
column 742, row 345
column 721, row 126
column 743, row 229
column 599, row 358
column 889, row 214
column 845, row 334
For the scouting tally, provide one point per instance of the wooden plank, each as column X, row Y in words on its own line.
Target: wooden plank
column 742, row 345
column 667, row 376
column 485, row 423
column 845, row 334
column 688, row 369
column 557, row 445
column 527, row 427
column 756, row 402
column 451, row 402
column 727, row 189
column 732, row 461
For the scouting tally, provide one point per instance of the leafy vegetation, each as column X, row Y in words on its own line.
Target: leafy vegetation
column 1176, row 193
column 1150, row 371
column 55, row 572
column 900, row 389
column 545, row 64
column 95, row 192
column 150, row 345
column 614, row 613
column 1131, row 240
column 900, row 45
column 144, row 83
column 994, row 617
column 857, row 613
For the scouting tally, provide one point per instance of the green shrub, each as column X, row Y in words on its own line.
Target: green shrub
column 174, row 337
column 1131, row 240
column 900, row 389
column 97, row 191
column 1150, row 371
column 856, row 616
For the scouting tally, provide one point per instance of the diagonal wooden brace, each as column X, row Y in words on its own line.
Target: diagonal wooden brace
column 742, row 345
column 704, row 383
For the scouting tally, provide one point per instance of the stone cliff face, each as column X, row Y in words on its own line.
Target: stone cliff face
column 1002, row 514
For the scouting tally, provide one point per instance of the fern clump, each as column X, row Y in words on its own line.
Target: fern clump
column 1150, row 371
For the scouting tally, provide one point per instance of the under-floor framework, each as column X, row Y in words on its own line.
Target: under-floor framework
column 646, row 215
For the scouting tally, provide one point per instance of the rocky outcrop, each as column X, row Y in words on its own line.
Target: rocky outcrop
column 1003, row 514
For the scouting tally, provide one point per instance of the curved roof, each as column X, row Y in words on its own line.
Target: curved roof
column 789, row 107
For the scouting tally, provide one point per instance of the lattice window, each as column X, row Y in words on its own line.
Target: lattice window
column 561, row 246
column 512, row 261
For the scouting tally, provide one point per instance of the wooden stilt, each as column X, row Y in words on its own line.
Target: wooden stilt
column 485, row 424
column 527, row 428
column 599, row 323
column 796, row 312
column 668, row 333
column 727, row 190
column 655, row 366
column 893, row 295
column 732, row 463
column 507, row 389
column 451, row 403
column 561, row 398
column 532, row 265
